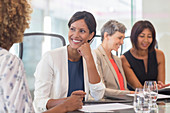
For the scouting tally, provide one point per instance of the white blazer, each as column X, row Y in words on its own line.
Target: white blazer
column 51, row 79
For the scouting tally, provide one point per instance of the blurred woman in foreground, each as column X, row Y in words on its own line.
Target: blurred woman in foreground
column 14, row 92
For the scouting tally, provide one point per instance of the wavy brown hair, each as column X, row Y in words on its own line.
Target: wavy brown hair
column 14, row 19
column 137, row 28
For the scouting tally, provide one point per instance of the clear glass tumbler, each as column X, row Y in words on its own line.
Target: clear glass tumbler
column 140, row 103
column 150, row 88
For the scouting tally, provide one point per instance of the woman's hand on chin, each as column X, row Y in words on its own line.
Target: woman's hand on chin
column 85, row 50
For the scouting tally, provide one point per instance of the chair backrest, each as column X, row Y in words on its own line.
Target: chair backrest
column 38, row 34
column 126, row 45
column 33, row 47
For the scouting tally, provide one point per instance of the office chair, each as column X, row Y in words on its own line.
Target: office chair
column 32, row 48
column 127, row 44
column 39, row 34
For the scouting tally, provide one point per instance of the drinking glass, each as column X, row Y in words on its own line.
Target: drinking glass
column 139, row 103
column 151, row 91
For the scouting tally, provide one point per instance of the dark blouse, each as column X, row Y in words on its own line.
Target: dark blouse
column 76, row 76
column 138, row 67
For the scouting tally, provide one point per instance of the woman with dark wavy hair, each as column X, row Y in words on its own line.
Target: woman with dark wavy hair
column 70, row 68
column 143, row 62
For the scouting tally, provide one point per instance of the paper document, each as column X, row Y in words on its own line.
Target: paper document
column 105, row 107
column 160, row 96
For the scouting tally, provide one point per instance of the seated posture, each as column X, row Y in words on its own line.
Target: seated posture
column 14, row 92
column 143, row 62
column 108, row 65
column 64, row 70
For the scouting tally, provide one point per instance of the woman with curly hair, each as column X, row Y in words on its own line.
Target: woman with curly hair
column 14, row 19
column 14, row 93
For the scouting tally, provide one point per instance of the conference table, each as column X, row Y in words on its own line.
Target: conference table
column 163, row 105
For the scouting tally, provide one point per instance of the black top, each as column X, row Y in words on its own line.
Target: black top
column 138, row 67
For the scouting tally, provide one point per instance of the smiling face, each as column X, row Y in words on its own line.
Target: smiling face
column 145, row 39
column 78, row 34
column 115, row 40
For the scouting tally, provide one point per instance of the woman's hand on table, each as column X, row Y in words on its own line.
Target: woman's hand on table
column 79, row 93
column 132, row 92
column 73, row 102
column 162, row 85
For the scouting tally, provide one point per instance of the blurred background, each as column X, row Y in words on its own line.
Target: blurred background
column 52, row 16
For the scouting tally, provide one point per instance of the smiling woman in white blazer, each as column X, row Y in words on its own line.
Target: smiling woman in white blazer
column 52, row 73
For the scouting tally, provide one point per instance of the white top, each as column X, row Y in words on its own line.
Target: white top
column 14, row 93
column 51, row 79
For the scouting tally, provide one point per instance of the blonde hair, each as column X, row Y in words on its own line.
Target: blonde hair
column 14, row 19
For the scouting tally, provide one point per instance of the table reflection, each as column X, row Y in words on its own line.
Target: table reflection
column 163, row 105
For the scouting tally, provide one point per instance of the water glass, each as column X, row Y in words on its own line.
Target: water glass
column 155, row 110
column 140, row 103
column 150, row 89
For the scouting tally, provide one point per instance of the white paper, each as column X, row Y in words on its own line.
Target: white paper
column 104, row 107
column 160, row 96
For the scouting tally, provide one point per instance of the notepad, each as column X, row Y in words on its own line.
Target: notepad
column 105, row 107
column 165, row 91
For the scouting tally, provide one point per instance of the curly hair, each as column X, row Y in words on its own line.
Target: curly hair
column 14, row 19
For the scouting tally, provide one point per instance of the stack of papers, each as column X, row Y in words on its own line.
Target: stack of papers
column 105, row 107
column 160, row 96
